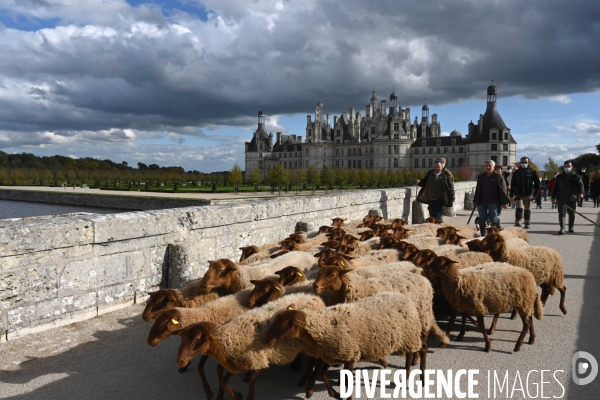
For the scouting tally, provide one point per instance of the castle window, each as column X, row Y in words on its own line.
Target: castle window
column 453, row 150
column 259, row 155
column 338, row 132
column 354, row 152
column 359, row 152
column 396, row 136
column 424, row 143
column 284, row 155
column 338, row 141
column 389, row 149
column 438, row 150
column 445, row 150
column 306, row 164
column 309, row 132
column 493, row 135
column 494, row 147
column 389, row 162
column 349, row 164
column 460, row 161
column 416, row 163
column 504, row 160
column 285, row 164
column 505, row 135
column 460, row 150
column 371, row 151
column 495, row 159
column 430, row 162
column 395, row 163
column 453, row 142
column 431, row 150
column 505, row 148
column 396, row 126
column 354, row 163
column 337, row 152
column 423, row 163
column 438, row 142
column 416, row 151
column 372, row 130
column 396, row 149
column 453, row 160
column 295, row 164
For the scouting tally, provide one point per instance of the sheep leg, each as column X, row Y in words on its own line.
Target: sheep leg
column 451, row 321
column 494, row 322
column 296, row 365
column 563, row 292
column 525, row 320
column 481, row 323
column 545, row 294
column 183, row 369
column 205, row 385
column 251, row 383
column 531, row 331
column 462, row 328
column 225, row 385
column 310, row 385
column 246, row 377
column 415, row 359
column 409, row 358
column 514, row 314
column 308, row 372
column 330, row 390
column 220, row 371
column 423, row 364
column 383, row 362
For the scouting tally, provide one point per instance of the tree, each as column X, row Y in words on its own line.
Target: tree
column 551, row 167
column 298, row 178
column 313, row 178
column 278, row 176
column 327, row 177
column 235, row 178
column 392, row 177
column 254, row 177
column 340, row 177
column 382, row 178
column 598, row 147
column 363, row 178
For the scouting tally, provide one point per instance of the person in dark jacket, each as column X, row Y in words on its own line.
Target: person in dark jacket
column 499, row 172
column 585, row 178
column 437, row 189
column 568, row 188
column 595, row 188
column 524, row 185
column 490, row 195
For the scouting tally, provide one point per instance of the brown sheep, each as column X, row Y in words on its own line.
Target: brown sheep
column 366, row 235
column 325, row 229
column 397, row 223
column 510, row 232
column 338, row 222
column 387, row 242
column 432, row 220
column 188, row 296
column 290, row 276
column 489, row 288
column 544, row 263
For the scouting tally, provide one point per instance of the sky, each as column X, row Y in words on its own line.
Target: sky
column 180, row 82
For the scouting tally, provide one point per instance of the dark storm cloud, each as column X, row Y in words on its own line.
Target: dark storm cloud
column 123, row 67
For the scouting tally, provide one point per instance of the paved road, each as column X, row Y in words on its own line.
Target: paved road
column 107, row 357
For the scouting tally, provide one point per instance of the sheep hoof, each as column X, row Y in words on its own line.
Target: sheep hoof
column 563, row 310
column 209, row 395
column 459, row 338
column 309, row 393
column 238, row 396
column 182, row 369
column 490, row 331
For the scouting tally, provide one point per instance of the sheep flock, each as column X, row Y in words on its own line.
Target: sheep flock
column 352, row 292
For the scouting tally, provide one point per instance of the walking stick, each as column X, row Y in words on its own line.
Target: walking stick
column 580, row 214
column 472, row 212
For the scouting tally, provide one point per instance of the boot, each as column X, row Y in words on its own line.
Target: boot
column 527, row 218
column 561, row 222
column 518, row 217
column 497, row 225
column 571, row 223
column 482, row 231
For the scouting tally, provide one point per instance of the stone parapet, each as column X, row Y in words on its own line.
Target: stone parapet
column 62, row 269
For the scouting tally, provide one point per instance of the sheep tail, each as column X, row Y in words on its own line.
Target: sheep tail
column 538, row 308
column 440, row 333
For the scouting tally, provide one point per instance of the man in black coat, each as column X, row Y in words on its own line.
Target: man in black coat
column 585, row 178
column 524, row 185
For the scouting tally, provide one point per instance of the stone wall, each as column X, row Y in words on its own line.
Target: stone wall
column 61, row 269
column 95, row 198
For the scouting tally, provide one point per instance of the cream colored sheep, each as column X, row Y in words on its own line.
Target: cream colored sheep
column 424, row 242
column 543, row 262
column 369, row 329
column 385, row 269
column 346, row 287
column 511, row 232
column 448, row 248
column 490, row 288
column 426, row 228
column 375, row 257
column 239, row 345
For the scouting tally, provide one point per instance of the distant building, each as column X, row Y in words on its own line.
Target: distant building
column 383, row 138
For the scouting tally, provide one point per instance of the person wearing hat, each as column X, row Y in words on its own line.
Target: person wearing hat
column 525, row 183
column 567, row 190
column 490, row 196
column 437, row 189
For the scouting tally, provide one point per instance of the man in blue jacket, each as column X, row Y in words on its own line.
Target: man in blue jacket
column 524, row 185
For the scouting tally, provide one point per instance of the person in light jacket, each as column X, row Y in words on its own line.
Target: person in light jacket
column 437, row 189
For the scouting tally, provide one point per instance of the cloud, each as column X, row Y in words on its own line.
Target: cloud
column 582, row 129
column 558, row 151
column 106, row 71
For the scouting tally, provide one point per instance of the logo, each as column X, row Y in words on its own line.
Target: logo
column 582, row 364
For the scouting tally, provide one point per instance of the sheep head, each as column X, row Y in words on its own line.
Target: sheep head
column 219, row 275
column 366, row 235
column 432, row 220
column 338, row 260
column 439, row 268
column 474, row 245
column 444, row 231
column 397, row 223
column 323, row 255
column 423, row 257
column 407, row 251
column 289, row 245
column 287, row 324
column 336, row 233
column 159, row 300
column 330, row 278
column 290, row 275
column 325, row 229
column 386, row 242
column 195, row 340
column 166, row 323
column 296, row 237
column 338, row 222
column 492, row 243
column 453, row 238
column 247, row 252
column 348, row 240
column 330, row 244
column 265, row 290
column 401, row 233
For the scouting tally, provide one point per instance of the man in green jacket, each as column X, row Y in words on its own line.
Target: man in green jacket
column 437, row 189
column 490, row 195
column 567, row 189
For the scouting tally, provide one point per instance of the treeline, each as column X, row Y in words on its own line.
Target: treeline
column 29, row 167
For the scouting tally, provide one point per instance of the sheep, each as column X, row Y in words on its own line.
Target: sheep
column 225, row 274
column 489, row 288
column 425, row 242
column 253, row 254
column 428, row 229
column 239, row 345
column 391, row 268
column 367, row 330
column 432, row 220
column 347, row 286
column 366, row 235
column 448, row 248
column 466, row 231
column 290, row 275
column 544, row 263
column 338, row 222
column 188, row 296
column 510, row 232
column 374, row 257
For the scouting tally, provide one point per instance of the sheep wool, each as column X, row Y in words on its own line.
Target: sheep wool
column 376, row 257
column 368, row 329
column 426, row 228
column 190, row 295
column 387, row 269
column 218, row 311
column 424, row 242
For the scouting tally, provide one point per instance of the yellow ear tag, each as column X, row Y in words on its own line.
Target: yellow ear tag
column 290, row 309
column 276, row 288
column 174, row 322
column 299, row 274
column 172, row 299
column 211, row 337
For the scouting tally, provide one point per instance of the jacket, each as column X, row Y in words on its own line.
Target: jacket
column 567, row 187
column 448, row 188
column 525, row 182
column 585, row 178
column 503, row 197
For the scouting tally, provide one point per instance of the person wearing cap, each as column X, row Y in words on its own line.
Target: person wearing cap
column 567, row 190
column 525, row 183
column 437, row 189
column 490, row 196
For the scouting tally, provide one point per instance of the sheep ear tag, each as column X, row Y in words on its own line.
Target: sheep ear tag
column 174, row 322
column 290, row 308
column 299, row 274
column 276, row 288
column 211, row 337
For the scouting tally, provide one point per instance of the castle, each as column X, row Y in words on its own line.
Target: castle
column 384, row 138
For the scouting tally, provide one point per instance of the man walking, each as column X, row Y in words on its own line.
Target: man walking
column 567, row 189
column 524, row 184
column 585, row 178
column 437, row 189
column 490, row 195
